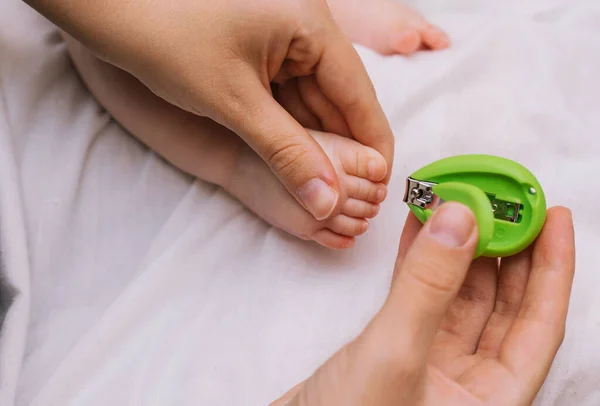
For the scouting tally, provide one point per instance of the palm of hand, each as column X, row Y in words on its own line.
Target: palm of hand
column 499, row 333
column 442, row 338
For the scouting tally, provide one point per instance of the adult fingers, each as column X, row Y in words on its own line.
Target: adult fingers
column 427, row 282
column 532, row 342
column 466, row 318
column 411, row 229
column 293, row 155
column 330, row 117
column 343, row 78
column 512, row 282
column 289, row 97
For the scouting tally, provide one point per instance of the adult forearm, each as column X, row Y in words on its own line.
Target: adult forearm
column 107, row 27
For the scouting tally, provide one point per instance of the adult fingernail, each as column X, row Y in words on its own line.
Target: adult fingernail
column 452, row 224
column 318, row 198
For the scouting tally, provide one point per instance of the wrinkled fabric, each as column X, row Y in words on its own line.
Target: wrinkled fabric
column 126, row 282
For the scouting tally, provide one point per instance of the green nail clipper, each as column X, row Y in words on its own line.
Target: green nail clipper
column 506, row 199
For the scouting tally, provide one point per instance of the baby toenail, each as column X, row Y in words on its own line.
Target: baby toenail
column 376, row 209
column 408, row 40
column 437, row 38
column 443, row 42
column 318, row 198
column 372, row 168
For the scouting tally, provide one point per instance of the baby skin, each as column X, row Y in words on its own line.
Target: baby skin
column 387, row 26
column 210, row 152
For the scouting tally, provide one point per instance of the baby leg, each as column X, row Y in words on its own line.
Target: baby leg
column 204, row 149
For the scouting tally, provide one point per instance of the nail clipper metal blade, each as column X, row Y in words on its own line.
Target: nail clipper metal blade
column 420, row 193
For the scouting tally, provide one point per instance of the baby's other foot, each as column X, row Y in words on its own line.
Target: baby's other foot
column 359, row 168
column 387, row 26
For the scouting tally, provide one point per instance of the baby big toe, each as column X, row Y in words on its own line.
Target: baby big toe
column 435, row 38
column 363, row 162
column 406, row 41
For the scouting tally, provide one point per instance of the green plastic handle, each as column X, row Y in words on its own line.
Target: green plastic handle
column 478, row 202
column 472, row 197
column 476, row 179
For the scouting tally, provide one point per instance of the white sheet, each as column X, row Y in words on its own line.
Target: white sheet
column 130, row 284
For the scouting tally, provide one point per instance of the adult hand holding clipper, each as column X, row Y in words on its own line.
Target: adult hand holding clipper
column 453, row 331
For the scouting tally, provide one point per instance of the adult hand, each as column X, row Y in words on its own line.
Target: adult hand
column 454, row 332
column 219, row 58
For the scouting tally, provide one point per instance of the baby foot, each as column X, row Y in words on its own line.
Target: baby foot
column 359, row 170
column 210, row 152
column 387, row 26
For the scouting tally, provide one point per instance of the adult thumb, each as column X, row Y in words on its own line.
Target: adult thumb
column 428, row 277
column 290, row 151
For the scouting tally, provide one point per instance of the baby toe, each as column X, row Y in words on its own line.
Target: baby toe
column 406, row 41
column 364, row 162
column 359, row 209
column 329, row 239
column 435, row 38
column 362, row 189
column 348, row 226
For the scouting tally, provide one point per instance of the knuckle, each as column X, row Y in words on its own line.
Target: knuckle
column 474, row 294
column 551, row 322
column 284, row 156
column 361, row 193
column 506, row 307
column 353, row 104
column 300, row 67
